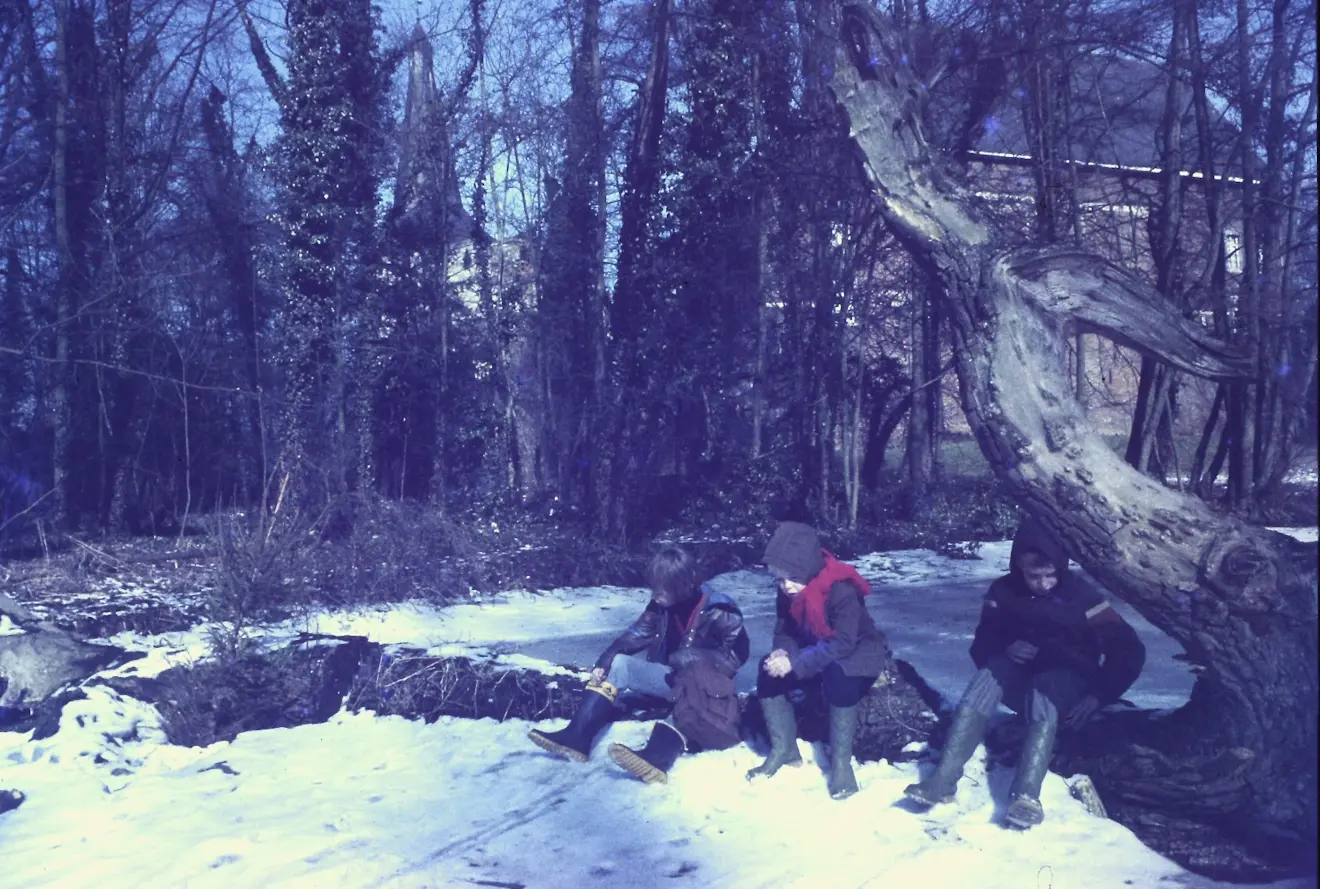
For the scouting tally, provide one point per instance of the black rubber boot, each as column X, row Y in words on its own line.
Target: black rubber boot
column 574, row 740
column 1024, row 808
column 966, row 732
column 843, row 726
column 781, row 722
column 653, row 762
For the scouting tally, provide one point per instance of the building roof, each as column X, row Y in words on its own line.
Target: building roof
column 1117, row 113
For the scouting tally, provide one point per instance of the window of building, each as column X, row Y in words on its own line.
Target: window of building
column 1233, row 251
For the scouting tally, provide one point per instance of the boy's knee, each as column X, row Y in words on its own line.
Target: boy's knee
column 1040, row 708
column 983, row 693
column 1061, row 686
column 619, row 671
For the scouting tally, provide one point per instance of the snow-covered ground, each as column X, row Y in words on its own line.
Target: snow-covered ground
column 364, row 801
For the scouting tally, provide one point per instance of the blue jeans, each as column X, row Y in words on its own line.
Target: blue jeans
column 641, row 684
column 634, row 673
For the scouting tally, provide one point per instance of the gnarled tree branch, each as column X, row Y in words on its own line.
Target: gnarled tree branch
column 1241, row 599
column 1091, row 293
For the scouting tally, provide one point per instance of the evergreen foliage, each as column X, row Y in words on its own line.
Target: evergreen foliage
column 329, row 170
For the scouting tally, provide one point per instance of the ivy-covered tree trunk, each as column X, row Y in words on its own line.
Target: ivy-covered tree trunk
column 227, row 197
column 331, row 112
column 571, row 289
column 79, row 173
column 1241, row 599
column 636, row 289
column 713, row 273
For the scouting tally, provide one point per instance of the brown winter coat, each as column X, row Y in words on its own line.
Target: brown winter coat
column 857, row 645
column 706, row 706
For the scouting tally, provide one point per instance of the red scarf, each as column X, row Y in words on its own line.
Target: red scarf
column 808, row 606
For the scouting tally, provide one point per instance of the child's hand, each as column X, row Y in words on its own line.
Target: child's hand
column 1082, row 711
column 1021, row 651
column 597, row 676
column 777, row 663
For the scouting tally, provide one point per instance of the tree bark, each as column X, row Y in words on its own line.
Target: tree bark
column 634, row 412
column 64, row 296
column 1240, row 599
column 570, row 281
column 921, row 454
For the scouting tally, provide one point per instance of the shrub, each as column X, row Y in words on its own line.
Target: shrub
column 215, row 700
column 954, row 516
column 409, row 683
column 394, row 550
column 263, row 558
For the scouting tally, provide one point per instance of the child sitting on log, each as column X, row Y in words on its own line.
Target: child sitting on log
column 1050, row 648
column 681, row 653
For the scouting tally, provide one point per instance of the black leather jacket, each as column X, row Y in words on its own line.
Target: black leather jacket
column 716, row 635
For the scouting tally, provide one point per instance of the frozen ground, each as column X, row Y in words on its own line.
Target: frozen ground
column 364, row 801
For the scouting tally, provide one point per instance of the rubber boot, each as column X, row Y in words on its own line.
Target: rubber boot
column 1024, row 808
column 843, row 727
column 966, row 732
column 574, row 740
column 653, row 762
column 782, row 725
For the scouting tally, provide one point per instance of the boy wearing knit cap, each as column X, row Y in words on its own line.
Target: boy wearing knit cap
column 823, row 637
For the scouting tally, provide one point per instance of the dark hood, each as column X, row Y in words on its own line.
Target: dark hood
column 795, row 550
column 1033, row 535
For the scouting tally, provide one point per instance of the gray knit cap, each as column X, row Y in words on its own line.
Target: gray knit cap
column 794, row 552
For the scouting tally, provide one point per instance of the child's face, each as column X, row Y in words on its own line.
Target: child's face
column 1040, row 580
column 786, row 586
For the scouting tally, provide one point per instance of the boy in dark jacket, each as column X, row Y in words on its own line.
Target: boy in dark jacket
column 1050, row 648
column 684, row 650
column 824, row 636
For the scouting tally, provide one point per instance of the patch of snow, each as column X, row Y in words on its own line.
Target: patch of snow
column 1302, row 475
column 921, row 566
column 1305, row 535
column 364, row 801
column 507, row 618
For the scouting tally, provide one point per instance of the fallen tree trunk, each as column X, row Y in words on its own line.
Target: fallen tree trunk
column 1241, row 599
column 34, row 665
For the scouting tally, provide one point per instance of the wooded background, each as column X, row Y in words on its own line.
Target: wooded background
column 609, row 260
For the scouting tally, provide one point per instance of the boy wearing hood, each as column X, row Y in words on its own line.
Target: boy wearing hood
column 681, row 653
column 824, row 636
column 1049, row 647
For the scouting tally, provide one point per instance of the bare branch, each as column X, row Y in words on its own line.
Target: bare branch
column 1099, row 297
